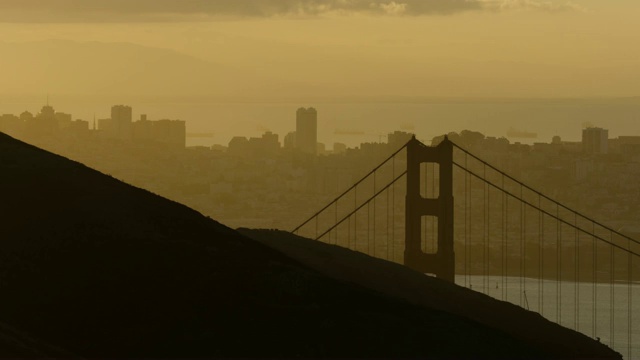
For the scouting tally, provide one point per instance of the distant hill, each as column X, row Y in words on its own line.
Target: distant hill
column 100, row 268
column 97, row 68
column 272, row 71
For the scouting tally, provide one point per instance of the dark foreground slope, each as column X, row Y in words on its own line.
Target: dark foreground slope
column 399, row 281
column 96, row 267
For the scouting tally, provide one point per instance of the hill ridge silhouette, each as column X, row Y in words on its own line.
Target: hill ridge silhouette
column 100, row 268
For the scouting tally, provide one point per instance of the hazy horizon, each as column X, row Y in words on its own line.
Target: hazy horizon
column 269, row 178
column 353, row 121
column 296, row 48
column 161, row 57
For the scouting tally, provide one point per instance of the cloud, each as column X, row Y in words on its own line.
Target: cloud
column 194, row 10
column 394, row 8
column 532, row 5
column 64, row 11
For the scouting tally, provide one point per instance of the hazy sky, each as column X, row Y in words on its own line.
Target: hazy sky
column 488, row 48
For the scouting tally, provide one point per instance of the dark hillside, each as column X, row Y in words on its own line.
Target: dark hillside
column 399, row 281
column 99, row 268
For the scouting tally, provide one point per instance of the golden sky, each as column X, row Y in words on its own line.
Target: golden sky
column 486, row 48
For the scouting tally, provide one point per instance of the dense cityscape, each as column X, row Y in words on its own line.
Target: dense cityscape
column 263, row 182
column 452, row 179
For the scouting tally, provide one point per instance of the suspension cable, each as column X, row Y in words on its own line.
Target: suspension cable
column 560, row 223
column 612, row 294
column 369, row 228
column 374, row 215
column 542, row 194
column 595, row 281
column 348, row 233
column 523, row 231
column 629, row 282
column 433, row 195
column 355, row 218
column 393, row 211
column 576, row 273
column 485, row 230
column 364, row 204
column 391, row 157
column 549, row 214
column 335, row 223
column 558, row 266
column 424, row 230
column 540, row 258
column 388, row 240
column 466, row 210
column 503, row 255
column 470, row 225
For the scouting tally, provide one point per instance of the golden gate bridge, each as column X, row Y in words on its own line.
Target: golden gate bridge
column 444, row 211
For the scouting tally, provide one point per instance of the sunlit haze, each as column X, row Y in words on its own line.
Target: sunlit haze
column 320, row 179
column 148, row 53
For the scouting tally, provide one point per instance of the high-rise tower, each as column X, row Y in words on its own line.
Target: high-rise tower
column 595, row 140
column 307, row 130
column 121, row 117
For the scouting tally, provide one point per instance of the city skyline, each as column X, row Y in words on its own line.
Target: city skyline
column 118, row 126
column 320, row 179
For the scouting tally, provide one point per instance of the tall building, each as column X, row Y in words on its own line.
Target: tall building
column 595, row 140
column 270, row 142
column 63, row 120
column 171, row 133
column 290, row 141
column 121, row 118
column 43, row 124
column 307, row 130
column 26, row 117
column 397, row 139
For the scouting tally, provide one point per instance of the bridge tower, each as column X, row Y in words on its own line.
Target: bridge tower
column 442, row 262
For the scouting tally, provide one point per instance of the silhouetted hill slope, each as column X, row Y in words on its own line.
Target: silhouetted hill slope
column 15, row 344
column 399, row 281
column 100, row 268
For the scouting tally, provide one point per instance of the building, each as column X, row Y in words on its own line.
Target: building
column 26, row 116
column 307, row 130
column 78, row 129
column 119, row 126
column 270, row 142
column 339, row 148
column 267, row 145
column 629, row 145
column 172, row 133
column 142, row 130
column 43, row 124
column 321, row 149
column 106, row 129
column 595, row 140
column 239, row 146
column 63, row 120
column 397, row 139
column 11, row 125
column 121, row 117
column 80, row 126
column 290, row 141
